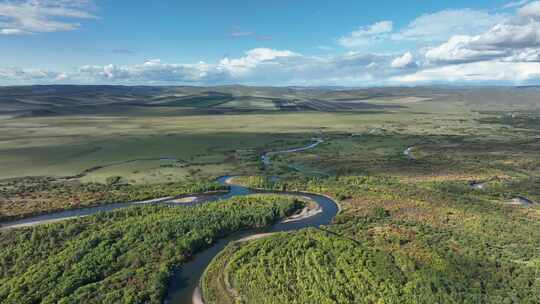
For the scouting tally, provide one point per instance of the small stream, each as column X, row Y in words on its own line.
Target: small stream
column 266, row 157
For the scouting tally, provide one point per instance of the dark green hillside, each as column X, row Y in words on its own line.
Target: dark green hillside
column 76, row 99
column 198, row 101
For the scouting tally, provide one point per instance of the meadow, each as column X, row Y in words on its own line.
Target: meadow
column 427, row 181
column 209, row 144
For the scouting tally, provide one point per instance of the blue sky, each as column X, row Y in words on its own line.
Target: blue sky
column 282, row 42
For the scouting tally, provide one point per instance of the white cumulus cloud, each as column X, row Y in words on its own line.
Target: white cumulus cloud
column 404, row 61
column 501, row 41
column 19, row 75
column 511, row 72
column 442, row 25
column 530, row 10
column 253, row 58
column 367, row 34
column 461, row 49
column 34, row 16
column 152, row 71
column 256, row 67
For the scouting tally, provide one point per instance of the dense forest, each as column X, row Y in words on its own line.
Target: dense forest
column 314, row 266
column 123, row 256
column 25, row 197
column 424, row 242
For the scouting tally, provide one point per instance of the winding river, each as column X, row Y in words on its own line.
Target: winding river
column 266, row 157
column 183, row 287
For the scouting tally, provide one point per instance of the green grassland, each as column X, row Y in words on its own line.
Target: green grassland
column 68, row 145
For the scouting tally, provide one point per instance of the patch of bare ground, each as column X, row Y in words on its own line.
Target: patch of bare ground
column 184, row 200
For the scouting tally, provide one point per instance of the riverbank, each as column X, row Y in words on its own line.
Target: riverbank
column 307, row 212
column 55, row 216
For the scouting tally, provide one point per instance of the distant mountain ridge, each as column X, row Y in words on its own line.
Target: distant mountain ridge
column 72, row 99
